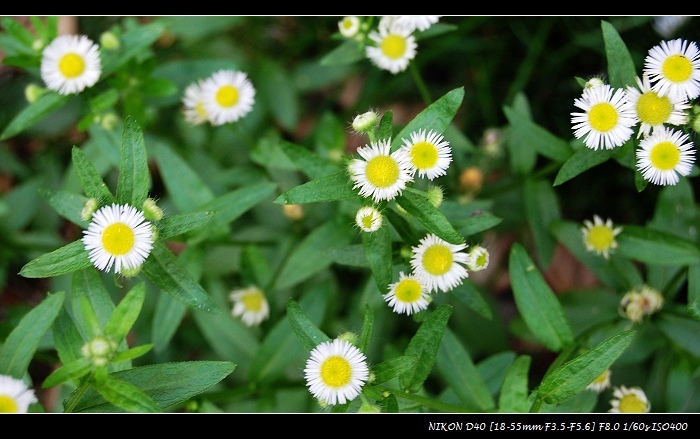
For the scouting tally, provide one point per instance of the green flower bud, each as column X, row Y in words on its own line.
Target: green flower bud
column 151, row 211
column 109, row 41
column 364, row 123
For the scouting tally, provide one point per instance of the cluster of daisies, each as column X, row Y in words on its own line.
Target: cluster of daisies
column 382, row 175
column 392, row 45
column 225, row 96
column 659, row 104
column 70, row 64
column 625, row 399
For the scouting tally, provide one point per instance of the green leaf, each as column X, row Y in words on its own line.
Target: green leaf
column 378, row 251
column 168, row 384
column 126, row 396
column 34, row 113
column 132, row 353
column 515, row 390
column 541, row 208
column 68, row 205
column 682, row 331
column 181, row 223
column 352, row 255
column 534, row 137
column 436, row 117
column 308, row 333
column 134, row 177
column 87, row 283
column 404, row 228
column 478, row 222
column 575, row 375
column 308, row 162
column 67, row 259
column 21, row 344
column 125, row 314
column 163, row 269
column 656, row 247
column 424, row 345
column 456, row 366
column 386, row 126
column 132, row 43
column 389, row 369
column 332, row 187
column 367, row 327
column 91, row 181
column 348, row 52
column 416, row 204
column 621, row 68
column 66, row 338
column 536, row 301
column 232, row 205
column 582, row 160
column 467, row 293
column 185, row 187
column 69, row 371
column 278, row 92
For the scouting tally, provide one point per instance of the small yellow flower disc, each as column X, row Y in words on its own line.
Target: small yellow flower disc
column 424, row 155
column 227, row 96
column 367, row 221
column 603, row 117
column 632, row 404
column 665, row 156
column 601, row 237
column 437, row 259
column 336, row 371
column 71, row 65
column 677, row 68
column 7, row 404
column 394, row 46
column 653, row 109
column 118, row 239
column 253, row 301
column 347, row 23
column 408, row 290
column 382, row 171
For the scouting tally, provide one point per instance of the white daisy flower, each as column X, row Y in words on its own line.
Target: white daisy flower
column 349, row 26
column 380, row 174
column 478, row 258
column 629, row 400
column 666, row 26
column 430, row 153
column 438, row 264
column 368, row 219
column 118, row 235
column 395, row 48
column 228, row 96
column 15, row 396
column 601, row 383
column 336, row 371
column 640, row 302
column 599, row 236
column 408, row 295
column 70, row 64
column 674, row 67
column 416, row 22
column 193, row 104
column 250, row 305
column 607, row 119
column 654, row 110
column 665, row 155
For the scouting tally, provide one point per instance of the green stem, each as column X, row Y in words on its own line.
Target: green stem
column 420, row 84
column 426, row 402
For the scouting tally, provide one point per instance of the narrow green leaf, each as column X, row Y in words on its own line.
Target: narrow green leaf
column 133, row 42
column 92, row 183
column 367, row 327
column 278, row 92
column 348, row 52
column 66, row 338
column 311, row 164
column 694, row 291
column 126, row 396
column 352, row 255
column 682, row 331
column 536, row 301
column 478, row 222
column 378, row 252
column 166, row 319
column 134, row 177
column 87, row 283
column 185, row 187
column 415, row 203
column 424, row 345
column 332, row 187
column 467, row 293
column 385, row 129
column 575, row 375
column 179, row 224
column 89, row 318
column 34, row 113
column 515, row 390
column 168, row 384
column 163, row 269
column 541, row 208
column 390, row 369
column 67, row 259
column 534, row 137
column 132, row 353
column 456, row 365
column 67, row 204
column 69, row 371
column 656, row 247
column 308, row 333
column 20, row 345
column 621, row 68
column 404, row 228
column 126, row 313
column 580, row 162
column 232, row 205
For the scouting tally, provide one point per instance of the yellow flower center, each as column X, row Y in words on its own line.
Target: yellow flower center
column 603, row 117
column 367, row 221
column 8, row 405
column 603, row 377
column 482, row 259
column 227, row 96
column 118, row 239
column 632, row 404
column 253, row 301
column 653, row 109
column 393, row 46
column 424, row 155
column 347, row 23
column 601, row 237
column 336, row 371
column 71, row 65
column 664, row 156
column 201, row 111
column 677, row 68
column 382, row 171
column 437, row 259
column 408, row 290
